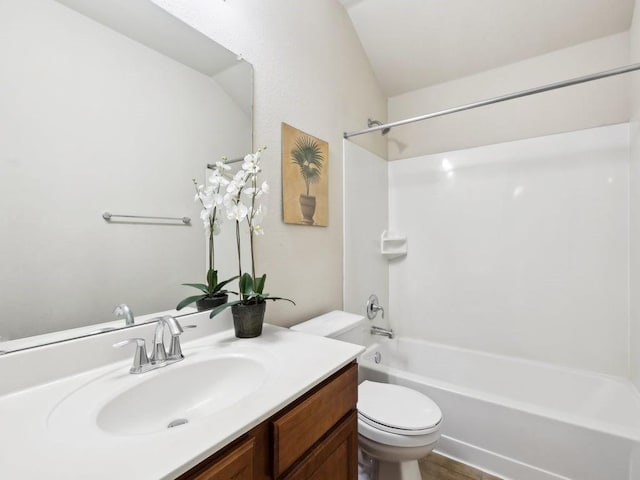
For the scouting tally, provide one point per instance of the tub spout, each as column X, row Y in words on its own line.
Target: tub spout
column 383, row 332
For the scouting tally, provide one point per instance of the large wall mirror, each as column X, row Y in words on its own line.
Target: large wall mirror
column 107, row 106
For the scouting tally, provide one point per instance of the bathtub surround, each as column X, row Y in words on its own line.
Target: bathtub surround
column 519, row 256
column 523, row 248
column 366, row 216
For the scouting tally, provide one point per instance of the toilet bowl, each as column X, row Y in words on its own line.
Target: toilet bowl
column 396, row 425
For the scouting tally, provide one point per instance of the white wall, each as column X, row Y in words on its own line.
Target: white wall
column 87, row 126
column 593, row 104
column 635, row 205
column 518, row 248
column 366, row 216
column 310, row 72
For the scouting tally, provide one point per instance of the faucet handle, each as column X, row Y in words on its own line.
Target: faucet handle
column 175, row 350
column 373, row 307
column 140, row 358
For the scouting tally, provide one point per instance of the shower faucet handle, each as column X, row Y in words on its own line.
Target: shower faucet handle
column 373, row 307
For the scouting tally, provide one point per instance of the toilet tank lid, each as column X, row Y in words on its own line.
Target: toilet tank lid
column 330, row 324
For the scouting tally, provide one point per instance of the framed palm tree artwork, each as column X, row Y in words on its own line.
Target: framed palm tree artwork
column 305, row 178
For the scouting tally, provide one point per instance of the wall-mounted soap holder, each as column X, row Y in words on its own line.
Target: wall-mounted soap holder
column 393, row 245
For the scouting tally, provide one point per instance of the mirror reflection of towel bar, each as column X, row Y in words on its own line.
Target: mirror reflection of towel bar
column 108, row 216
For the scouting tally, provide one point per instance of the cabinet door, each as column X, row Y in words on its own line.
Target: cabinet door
column 301, row 426
column 335, row 457
column 235, row 465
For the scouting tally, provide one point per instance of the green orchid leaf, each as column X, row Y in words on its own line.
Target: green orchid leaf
column 268, row 297
column 212, row 280
column 222, row 307
column 260, row 281
column 199, row 286
column 190, row 300
column 246, row 285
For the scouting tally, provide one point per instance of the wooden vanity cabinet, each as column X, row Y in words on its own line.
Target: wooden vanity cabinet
column 236, row 464
column 314, row 437
column 335, row 458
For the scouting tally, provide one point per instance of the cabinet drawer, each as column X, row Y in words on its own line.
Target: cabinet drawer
column 237, row 464
column 296, row 431
column 335, row 458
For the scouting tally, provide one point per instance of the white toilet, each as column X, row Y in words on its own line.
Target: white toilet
column 396, row 425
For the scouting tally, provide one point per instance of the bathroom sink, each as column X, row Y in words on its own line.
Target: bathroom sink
column 170, row 397
column 181, row 395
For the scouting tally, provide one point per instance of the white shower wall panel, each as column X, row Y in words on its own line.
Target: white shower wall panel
column 519, row 248
column 366, row 215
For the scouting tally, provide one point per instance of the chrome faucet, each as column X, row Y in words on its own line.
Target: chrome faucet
column 383, row 332
column 373, row 307
column 159, row 353
column 159, row 357
column 123, row 311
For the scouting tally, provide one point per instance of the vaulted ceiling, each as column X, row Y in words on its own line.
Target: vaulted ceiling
column 412, row 44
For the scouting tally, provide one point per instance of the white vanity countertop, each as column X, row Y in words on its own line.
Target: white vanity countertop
column 30, row 447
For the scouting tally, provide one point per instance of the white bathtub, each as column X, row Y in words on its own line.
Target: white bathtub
column 521, row 420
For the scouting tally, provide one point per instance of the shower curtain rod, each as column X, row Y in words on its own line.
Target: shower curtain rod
column 503, row 98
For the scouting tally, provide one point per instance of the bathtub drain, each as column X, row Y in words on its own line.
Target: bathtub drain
column 377, row 357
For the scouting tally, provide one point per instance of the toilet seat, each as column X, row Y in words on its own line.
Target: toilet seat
column 397, row 409
column 369, row 435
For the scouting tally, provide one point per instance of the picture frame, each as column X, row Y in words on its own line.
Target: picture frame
column 305, row 178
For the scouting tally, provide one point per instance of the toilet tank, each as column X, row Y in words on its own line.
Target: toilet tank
column 340, row 325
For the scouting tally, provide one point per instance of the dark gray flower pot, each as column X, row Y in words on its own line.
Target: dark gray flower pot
column 209, row 303
column 248, row 319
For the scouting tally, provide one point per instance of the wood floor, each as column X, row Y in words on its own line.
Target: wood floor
column 437, row 467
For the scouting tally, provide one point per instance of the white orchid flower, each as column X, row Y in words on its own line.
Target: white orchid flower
column 217, row 199
column 240, row 177
column 222, row 166
column 237, row 212
column 251, row 163
column 228, row 200
column 205, row 216
column 199, row 193
column 251, row 168
column 233, row 188
column 216, row 180
column 207, row 202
